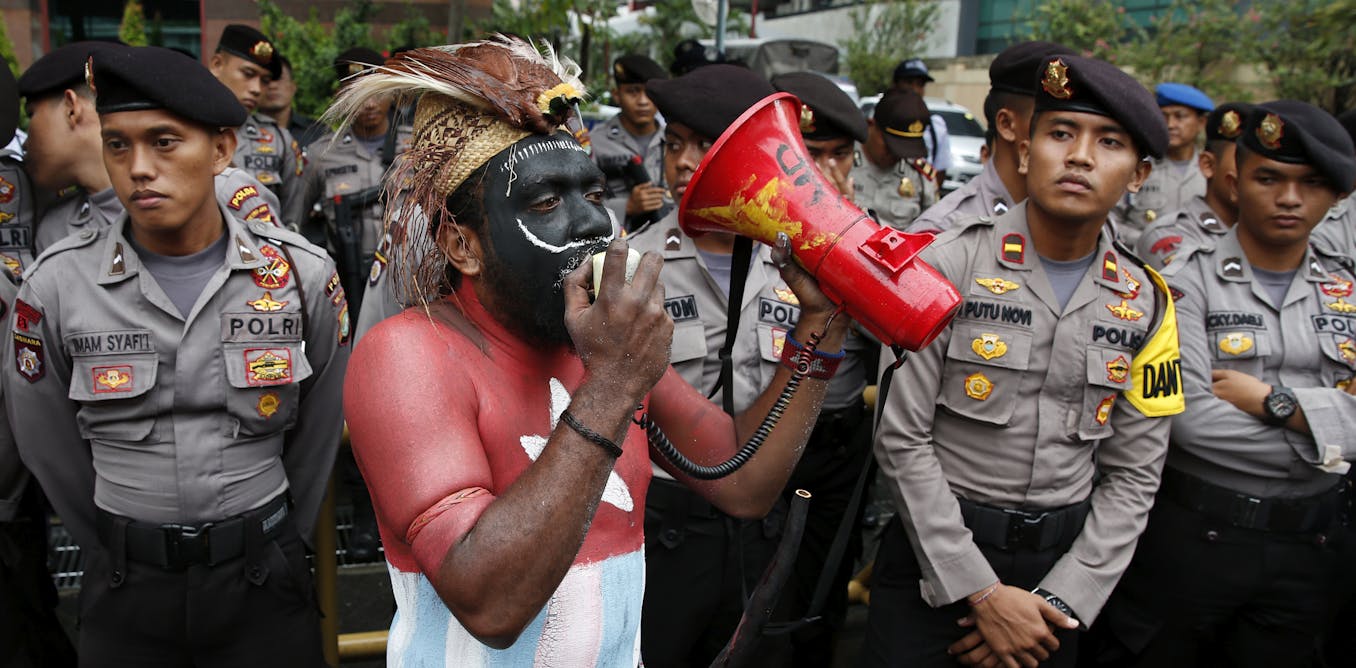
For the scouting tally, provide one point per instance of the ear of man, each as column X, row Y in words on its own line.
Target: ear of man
column 462, row 247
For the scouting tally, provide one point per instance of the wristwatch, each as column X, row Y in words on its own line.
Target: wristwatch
column 1055, row 601
column 1279, row 405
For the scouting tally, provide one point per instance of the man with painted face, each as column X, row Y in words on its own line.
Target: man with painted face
column 173, row 387
column 1026, row 442
column 507, row 476
column 1244, row 545
column 1175, row 178
column 1206, row 217
column 628, row 146
column 1007, row 112
column 894, row 180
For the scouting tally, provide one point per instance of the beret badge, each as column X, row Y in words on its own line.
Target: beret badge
column 807, row 118
column 1056, row 80
column 89, row 74
column 355, row 69
column 263, row 51
column 1270, row 130
column 618, row 70
column 1230, row 126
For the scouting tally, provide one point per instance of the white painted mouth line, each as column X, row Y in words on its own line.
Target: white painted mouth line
column 536, row 241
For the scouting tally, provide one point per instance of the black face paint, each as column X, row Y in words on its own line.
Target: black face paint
column 543, row 207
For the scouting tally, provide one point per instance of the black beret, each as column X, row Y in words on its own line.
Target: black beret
column 149, row 77
column 1011, row 71
column 902, row 117
column 60, row 69
column 9, row 105
column 1348, row 121
column 636, row 69
column 355, row 61
column 1074, row 83
column 1225, row 123
column 708, row 99
column 1300, row 133
column 688, row 55
column 250, row 44
column 828, row 112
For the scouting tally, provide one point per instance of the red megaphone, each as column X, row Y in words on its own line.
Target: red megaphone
column 758, row 180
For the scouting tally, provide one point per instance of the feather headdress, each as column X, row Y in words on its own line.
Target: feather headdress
column 474, row 100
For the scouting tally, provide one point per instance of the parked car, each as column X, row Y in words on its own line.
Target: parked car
column 967, row 138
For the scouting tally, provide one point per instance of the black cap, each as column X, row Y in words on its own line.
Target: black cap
column 1012, row 70
column 828, row 112
column 1225, row 123
column 9, row 105
column 1348, row 121
column 60, row 69
column 1074, row 83
column 902, row 117
column 688, row 55
column 636, row 69
column 912, row 68
column 252, row 45
column 149, row 77
column 1301, row 134
column 708, row 99
column 355, row 61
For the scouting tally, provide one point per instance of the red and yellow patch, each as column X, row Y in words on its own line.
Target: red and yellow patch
column 7, row 191
column 112, row 378
column 1337, row 288
column 1118, row 370
column 268, row 366
column 275, row 272
column 1104, row 409
column 241, row 194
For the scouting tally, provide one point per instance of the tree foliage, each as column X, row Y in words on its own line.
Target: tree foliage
column 1195, row 42
column 1309, row 50
column 132, row 30
column 885, row 32
column 1095, row 27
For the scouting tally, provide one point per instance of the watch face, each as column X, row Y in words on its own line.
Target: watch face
column 1281, row 405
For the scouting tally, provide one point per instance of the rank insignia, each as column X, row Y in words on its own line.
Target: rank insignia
column 1014, row 248
column 978, row 386
column 25, row 316
column 1118, row 370
column 1233, row 267
column 778, row 341
column 1176, row 294
column 119, row 265
column 989, row 346
column 1347, row 347
column 1338, row 288
column 1342, row 306
column 1230, row 125
column 332, row 284
column 1000, row 207
column 1056, row 80
column 1131, row 286
column 275, row 272
column 1212, row 224
column 1270, row 131
column 1235, row 343
column 268, row 366
column 111, row 378
column 807, row 119
column 28, row 357
column 7, row 191
column 997, row 286
column 267, row 404
column 344, row 326
column 1124, row 311
column 246, row 255
column 1109, row 270
column 1104, row 409
column 264, row 149
column 906, row 188
column 922, row 166
column 786, row 295
column 672, row 241
column 266, row 303
column 1150, row 215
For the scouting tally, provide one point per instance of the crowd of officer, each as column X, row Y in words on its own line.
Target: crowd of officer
column 1130, row 448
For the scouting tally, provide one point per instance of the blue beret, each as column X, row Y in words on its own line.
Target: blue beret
column 1187, row 96
column 1088, row 85
column 149, row 77
column 1301, row 134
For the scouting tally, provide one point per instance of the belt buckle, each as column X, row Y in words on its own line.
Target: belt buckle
column 1023, row 529
column 186, row 544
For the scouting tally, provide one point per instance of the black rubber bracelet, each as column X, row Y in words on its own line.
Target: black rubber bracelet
column 602, row 441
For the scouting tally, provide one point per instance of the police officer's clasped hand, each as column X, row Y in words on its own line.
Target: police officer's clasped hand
column 1013, row 627
column 622, row 337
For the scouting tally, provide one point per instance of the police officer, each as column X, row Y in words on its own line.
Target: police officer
column 1175, row 178
column 346, row 176
column 912, row 75
column 246, row 61
column 1235, row 566
column 839, row 446
column 629, row 146
column 893, row 179
column 1207, row 216
column 1338, row 229
column 1007, row 112
column 1056, row 373
column 30, row 633
column 278, row 101
column 174, row 386
column 699, row 561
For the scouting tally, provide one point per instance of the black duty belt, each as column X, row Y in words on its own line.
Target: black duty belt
column 178, row 546
column 1014, row 529
column 1301, row 514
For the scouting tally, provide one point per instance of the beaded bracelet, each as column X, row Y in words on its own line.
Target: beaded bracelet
column 822, row 365
column 603, row 442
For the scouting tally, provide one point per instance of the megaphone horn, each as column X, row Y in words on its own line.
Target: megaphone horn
column 758, row 180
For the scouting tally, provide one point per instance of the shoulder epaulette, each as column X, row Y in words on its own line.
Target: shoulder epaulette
column 286, row 236
column 922, row 166
column 69, row 242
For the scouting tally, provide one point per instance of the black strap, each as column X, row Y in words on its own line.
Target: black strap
column 739, row 273
column 388, row 149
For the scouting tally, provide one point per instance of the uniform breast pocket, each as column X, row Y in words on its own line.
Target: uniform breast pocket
column 264, row 385
column 905, row 209
column 983, row 373
column 1239, row 349
column 1108, row 376
column 114, row 393
column 1339, row 351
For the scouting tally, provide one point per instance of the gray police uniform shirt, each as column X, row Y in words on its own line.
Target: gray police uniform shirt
column 14, row 476
column 1017, row 405
column 984, row 195
column 118, row 401
column 613, row 148
column 1308, row 343
column 343, row 166
column 1337, row 231
column 385, row 294
column 1175, row 234
column 1166, row 189
column 270, row 154
column 896, row 195
column 17, row 215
